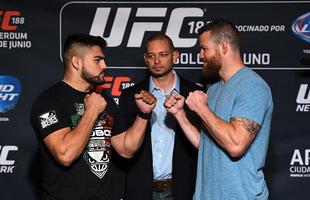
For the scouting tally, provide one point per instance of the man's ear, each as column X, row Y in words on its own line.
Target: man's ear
column 223, row 47
column 145, row 59
column 176, row 55
column 76, row 62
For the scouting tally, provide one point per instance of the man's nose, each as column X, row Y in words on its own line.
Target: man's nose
column 103, row 64
column 157, row 58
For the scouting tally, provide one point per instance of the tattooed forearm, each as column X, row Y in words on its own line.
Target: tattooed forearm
column 251, row 126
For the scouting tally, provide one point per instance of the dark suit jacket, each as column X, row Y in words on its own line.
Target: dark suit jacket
column 140, row 167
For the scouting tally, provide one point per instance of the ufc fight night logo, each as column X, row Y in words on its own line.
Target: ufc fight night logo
column 6, row 161
column 303, row 98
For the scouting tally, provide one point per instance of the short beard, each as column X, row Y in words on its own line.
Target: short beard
column 211, row 72
column 93, row 80
column 213, row 67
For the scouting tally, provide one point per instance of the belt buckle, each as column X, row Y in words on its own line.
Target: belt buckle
column 161, row 185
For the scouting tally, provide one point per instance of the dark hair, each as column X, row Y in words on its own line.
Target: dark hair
column 79, row 40
column 160, row 36
column 222, row 30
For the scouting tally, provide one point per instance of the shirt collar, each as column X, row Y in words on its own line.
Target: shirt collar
column 176, row 86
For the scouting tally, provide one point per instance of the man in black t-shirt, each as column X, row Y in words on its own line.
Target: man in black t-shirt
column 73, row 126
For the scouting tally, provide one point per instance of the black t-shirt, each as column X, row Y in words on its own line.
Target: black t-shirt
column 88, row 177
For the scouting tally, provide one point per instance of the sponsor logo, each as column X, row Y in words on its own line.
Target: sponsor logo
column 299, row 165
column 301, row 27
column 11, row 22
column 48, row 119
column 99, row 147
column 10, row 90
column 6, row 162
column 303, row 98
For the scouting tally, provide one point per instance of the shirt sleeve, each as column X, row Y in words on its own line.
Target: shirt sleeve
column 252, row 100
column 48, row 117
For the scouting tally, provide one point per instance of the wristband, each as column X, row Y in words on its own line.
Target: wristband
column 144, row 115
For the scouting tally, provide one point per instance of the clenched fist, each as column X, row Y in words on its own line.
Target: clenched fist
column 145, row 101
column 196, row 100
column 95, row 103
column 174, row 103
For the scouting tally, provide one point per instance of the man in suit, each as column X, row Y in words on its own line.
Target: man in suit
column 165, row 165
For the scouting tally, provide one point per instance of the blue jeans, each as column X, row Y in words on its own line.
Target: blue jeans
column 164, row 195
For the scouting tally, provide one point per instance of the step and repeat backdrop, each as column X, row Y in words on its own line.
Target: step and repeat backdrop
column 275, row 42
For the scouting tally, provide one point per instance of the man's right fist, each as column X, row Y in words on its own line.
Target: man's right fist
column 174, row 103
column 145, row 101
column 146, row 97
column 95, row 103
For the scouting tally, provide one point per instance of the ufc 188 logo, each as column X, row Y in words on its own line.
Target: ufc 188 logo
column 303, row 98
column 174, row 25
column 6, row 163
column 9, row 20
column 125, row 24
column 115, row 85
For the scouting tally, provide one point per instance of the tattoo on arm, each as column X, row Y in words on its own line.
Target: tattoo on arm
column 251, row 126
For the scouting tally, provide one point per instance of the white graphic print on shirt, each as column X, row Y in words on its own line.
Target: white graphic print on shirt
column 97, row 152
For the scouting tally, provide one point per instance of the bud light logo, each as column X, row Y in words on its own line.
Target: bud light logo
column 9, row 93
column 301, row 27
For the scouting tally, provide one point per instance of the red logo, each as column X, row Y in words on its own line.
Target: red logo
column 115, row 84
column 10, row 19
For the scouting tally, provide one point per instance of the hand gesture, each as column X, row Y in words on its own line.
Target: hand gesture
column 145, row 101
column 174, row 103
column 94, row 103
column 196, row 100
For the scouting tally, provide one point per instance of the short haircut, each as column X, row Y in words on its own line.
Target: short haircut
column 222, row 30
column 76, row 41
column 160, row 36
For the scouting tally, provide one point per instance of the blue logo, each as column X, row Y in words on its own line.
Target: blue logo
column 9, row 93
column 301, row 27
